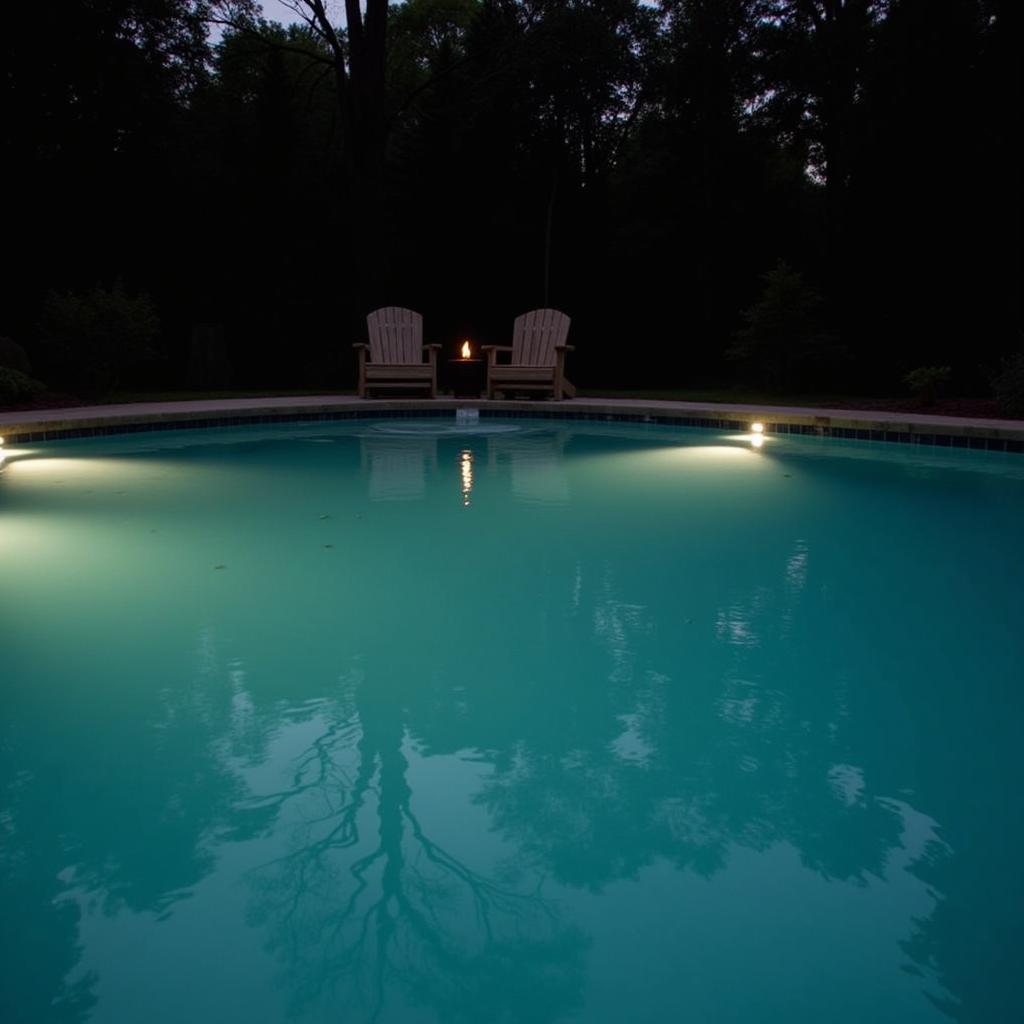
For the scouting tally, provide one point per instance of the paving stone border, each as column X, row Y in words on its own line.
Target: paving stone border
column 892, row 428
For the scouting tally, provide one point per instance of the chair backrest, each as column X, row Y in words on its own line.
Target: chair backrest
column 396, row 335
column 535, row 335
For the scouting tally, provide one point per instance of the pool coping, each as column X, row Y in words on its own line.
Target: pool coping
column 851, row 424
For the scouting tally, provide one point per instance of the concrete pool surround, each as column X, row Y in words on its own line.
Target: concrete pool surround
column 891, row 427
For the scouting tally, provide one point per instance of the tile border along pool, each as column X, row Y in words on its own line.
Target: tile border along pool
column 892, row 427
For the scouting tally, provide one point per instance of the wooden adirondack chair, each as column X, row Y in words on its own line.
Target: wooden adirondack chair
column 537, row 361
column 396, row 352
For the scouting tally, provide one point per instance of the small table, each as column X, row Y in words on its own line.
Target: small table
column 466, row 377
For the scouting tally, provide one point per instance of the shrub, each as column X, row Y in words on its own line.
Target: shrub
column 92, row 339
column 927, row 382
column 16, row 386
column 1008, row 385
column 13, row 356
column 783, row 343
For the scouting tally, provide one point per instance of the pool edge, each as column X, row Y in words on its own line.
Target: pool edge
column 894, row 428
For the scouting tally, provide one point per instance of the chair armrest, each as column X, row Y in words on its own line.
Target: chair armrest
column 434, row 345
column 362, row 345
column 491, row 351
column 565, row 348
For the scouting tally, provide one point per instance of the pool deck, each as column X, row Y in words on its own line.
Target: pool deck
column 912, row 428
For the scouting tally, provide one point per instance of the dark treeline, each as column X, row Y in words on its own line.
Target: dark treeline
column 795, row 193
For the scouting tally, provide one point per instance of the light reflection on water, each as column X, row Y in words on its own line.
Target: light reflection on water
column 466, row 471
column 661, row 731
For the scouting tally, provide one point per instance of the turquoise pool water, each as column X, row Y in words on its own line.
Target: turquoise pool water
column 531, row 723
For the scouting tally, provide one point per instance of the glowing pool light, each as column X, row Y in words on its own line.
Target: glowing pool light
column 757, row 428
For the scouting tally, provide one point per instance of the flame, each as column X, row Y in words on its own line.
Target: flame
column 465, row 350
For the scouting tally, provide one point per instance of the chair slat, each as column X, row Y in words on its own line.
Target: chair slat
column 545, row 354
column 518, row 334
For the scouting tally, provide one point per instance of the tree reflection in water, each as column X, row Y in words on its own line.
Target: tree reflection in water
column 364, row 902
column 663, row 697
column 103, row 819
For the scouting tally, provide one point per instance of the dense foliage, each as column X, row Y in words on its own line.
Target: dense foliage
column 93, row 339
column 1009, row 385
column 644, row 167
column 16, row 386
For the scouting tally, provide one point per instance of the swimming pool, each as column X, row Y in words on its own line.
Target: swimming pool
column 401, row 722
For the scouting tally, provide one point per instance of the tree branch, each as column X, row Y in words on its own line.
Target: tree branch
column 274, row 44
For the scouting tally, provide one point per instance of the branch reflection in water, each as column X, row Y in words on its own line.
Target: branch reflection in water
column 486, row 823
column 364, row 907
